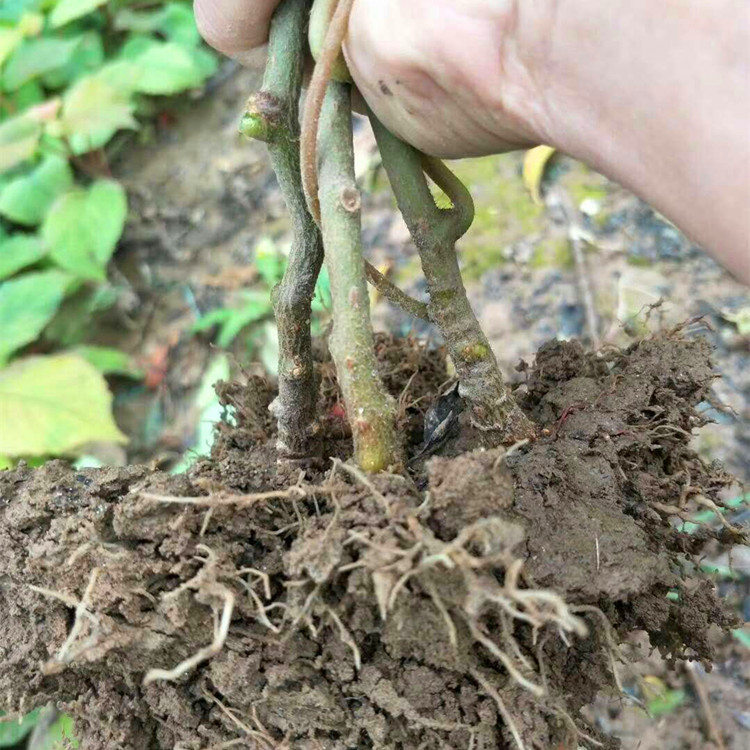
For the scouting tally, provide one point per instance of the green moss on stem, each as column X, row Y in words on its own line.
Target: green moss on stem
column 435, row 232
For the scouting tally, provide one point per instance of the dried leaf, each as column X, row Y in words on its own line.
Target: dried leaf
column 534, row 163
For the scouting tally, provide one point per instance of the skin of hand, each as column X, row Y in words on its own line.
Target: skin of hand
column 654, row 95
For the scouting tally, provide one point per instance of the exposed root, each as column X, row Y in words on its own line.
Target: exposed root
column 444, row 613
column 504, row 659
column 354, row 609
column 262, row 576
column 262, row 737
column 574, row 730
column 220, row 500
column 482, row 546
column 205, row 581
column 66, row 653
column 262, row 610
column 361, row 477
column 495, row 695
column 612, row 648
column 346, row 637
column 204, row 654
column 711, row 505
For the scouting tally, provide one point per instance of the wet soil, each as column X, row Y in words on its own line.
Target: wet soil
column 235, row 606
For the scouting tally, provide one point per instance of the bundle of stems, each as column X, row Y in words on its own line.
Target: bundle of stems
column 314, row 164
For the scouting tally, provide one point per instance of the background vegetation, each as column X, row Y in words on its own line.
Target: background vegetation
column 74, row 76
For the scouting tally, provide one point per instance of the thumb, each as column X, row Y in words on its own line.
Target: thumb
column 234, row 27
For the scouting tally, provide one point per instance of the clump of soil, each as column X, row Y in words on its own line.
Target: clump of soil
column 232, row 607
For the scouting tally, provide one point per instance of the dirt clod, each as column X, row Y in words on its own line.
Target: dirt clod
column 346, row 611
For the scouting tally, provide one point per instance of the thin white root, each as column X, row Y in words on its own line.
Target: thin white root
column 66, row 654
column 262, row 616
column 613, row 649
column 66, row 599
column 507, row 718
column 264, row 577
column 220, row 636
column 261, row 736
column 504, row 659
column 475, row 552
column 361, row 477
column 568, row 720
column 347, row 638
column 711, row 505
column 296, row 492
column 440, row 606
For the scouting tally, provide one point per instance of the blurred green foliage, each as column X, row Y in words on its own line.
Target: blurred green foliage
column 53, row 733
column 252, row 313
column 73, row 73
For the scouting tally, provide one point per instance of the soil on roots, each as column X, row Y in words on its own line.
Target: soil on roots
column 236, row 607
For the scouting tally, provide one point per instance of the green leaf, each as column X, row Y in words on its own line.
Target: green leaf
column 29, row 94
column 205, row 60
column 166, row 67
column 743, row 636
column 59, row 736
column 257, row 306
column 27, row 304
column 77, row 314
column 94, row 109
column 87, row 57
column 55, row 404
column 67, row 10
column 740, row 318
column 19, row 137
column 233, row 320
column 175, row 21
column 120, row 74
column 136, row 45
column 322, row 302
column 36, row 57
column 12, row 10
column 19, row 251
column 109, row 361
column 12, row 732
column 9, row 40
column 210, row 411
column 269, row 351
column 666, row 702
column 27, row 199
column 31, row 23
column 83, row 226
column 269, row 261
column 212, row 318
column 138, row 21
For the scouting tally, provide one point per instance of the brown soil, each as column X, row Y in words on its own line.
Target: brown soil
column 481, row 612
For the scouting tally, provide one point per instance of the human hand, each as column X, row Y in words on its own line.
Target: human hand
column 655, row 96
column 452, row 78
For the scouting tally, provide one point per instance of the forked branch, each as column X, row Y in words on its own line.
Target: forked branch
column 435, row 232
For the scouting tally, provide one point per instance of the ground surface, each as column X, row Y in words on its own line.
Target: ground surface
column 334, row 611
